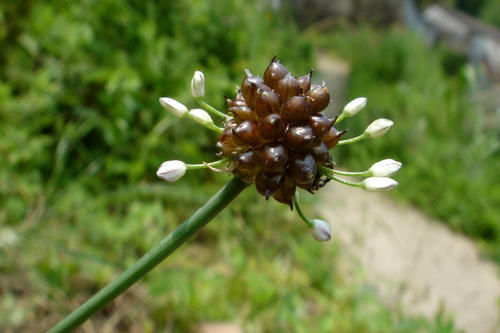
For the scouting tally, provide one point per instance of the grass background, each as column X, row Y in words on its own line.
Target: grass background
column 82, row 134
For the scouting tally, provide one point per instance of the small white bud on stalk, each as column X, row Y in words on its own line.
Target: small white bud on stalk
column 171, row 170
column 321, row 230
column 171, row 105
column 198, row 85
column 375, row 184
column 201, row 116
column 379, row 127
column 354, row 106
column 385, row 168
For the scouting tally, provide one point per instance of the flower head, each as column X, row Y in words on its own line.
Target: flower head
column 171, row 170
column 198, row 85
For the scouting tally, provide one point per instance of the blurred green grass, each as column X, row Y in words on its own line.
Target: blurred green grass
column 82, row 136
column 450, row 152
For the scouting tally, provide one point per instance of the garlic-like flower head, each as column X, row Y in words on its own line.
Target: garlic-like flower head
column 198, row 85
column 379, row 127
column 321, row 230
column 171, row 170
column 385, row 168
column 376, row 184
column 173, row 106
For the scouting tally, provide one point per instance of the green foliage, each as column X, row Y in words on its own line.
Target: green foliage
column 450, row 155
column 81, row 136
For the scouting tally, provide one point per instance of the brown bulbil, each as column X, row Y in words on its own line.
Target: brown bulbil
column 266, row 102
column 277, row 136
column 320, row 124
column 296, row 108
column 268, row 183
column 274, row 158
column 320, row 97
column 303, row 169
column 299, row 138
column 274, row 73
column 305, row 82
column 248, row 133
column 272, row 127
column 333, row 137
column 288, row 87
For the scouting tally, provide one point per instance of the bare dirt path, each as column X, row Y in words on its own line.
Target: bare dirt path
column 412, row 260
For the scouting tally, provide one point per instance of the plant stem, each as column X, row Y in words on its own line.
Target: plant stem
column 352, row 140
column 211, row 108
column 153, row 257
column 299, row 211
column 206, row 165
column 344, row 173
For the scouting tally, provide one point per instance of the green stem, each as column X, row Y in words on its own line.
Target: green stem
column 299, row 211
column 211, row 108
column 340, row 118
column 153, row 257
column 352, row 140
column 344, row 173
column 343, row 181
column 206, row 165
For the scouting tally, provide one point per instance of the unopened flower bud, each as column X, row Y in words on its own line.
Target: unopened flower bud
column 321, row 230
column 354, row 106
column 173, row 106
column 379, row 127
column 385, row 168
column 201, row 116
column 375, row 184
column 198, row 85
column 171, row 170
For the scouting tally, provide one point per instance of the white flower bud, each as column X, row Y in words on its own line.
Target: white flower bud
column 385, row 168
column 198, row 85
column 379, row 127
column 321, row 230
column 354, row 106
column 201, row 116
column 375, row 184
column 171, row 170
column 173, row 106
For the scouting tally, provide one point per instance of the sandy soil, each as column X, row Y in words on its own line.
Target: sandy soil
column 412, row 260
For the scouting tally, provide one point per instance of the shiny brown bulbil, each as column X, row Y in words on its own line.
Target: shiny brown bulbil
column 277, row 136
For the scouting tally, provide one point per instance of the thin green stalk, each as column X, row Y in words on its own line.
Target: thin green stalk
column 211, row 108
column 153, row 257
column 352, row 140
column 343, row 181
column 299, row 211
column 206, row 165
column 344, row 173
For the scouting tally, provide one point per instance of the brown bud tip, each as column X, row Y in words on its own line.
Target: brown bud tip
column 274, row 73
column 249, row 87
column 296, row 108
column 332, row 138
column 321, row 153
column 286, row 191
column 305, row 82
column 288, row 87
column 320, row 98
column 320, row 124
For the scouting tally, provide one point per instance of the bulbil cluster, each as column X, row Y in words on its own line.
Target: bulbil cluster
column 276, row 135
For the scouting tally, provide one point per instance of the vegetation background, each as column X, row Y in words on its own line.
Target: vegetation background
column 82, row 133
